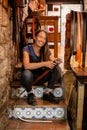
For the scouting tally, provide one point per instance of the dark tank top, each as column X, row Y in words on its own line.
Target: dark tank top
column 32, row 55
column 34, row 58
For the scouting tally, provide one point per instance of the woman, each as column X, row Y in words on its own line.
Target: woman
column 36, row 59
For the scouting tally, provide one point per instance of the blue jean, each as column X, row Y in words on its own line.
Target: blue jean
column 28, row 76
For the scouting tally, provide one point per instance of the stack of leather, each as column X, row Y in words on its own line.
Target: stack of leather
column 78, row 37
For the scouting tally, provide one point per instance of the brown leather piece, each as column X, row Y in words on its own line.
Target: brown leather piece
column 79, row 39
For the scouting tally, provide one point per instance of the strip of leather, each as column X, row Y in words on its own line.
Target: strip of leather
column 79, row 39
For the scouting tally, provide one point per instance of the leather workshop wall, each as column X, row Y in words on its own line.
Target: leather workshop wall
column 7, row 59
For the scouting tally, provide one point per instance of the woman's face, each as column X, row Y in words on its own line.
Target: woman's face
column 40, row 39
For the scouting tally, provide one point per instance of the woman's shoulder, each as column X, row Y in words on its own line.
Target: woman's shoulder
column 27, row 47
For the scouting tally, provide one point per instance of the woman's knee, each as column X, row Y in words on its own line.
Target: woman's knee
column 57, row 71
column 27, row 76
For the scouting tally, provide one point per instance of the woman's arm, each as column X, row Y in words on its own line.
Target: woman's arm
column 28, row 65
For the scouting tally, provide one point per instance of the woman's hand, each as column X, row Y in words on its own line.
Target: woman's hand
column 50, row 64
column 55, row 60
column 58, row 61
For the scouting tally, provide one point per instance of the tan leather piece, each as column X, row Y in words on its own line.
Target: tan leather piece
column 79, row 39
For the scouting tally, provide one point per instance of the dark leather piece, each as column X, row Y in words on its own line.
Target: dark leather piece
column 84, row 16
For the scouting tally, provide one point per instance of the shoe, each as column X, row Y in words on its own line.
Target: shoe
column 31, row 99
column 50, row 97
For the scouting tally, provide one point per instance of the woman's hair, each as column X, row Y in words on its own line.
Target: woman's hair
column 45, row 49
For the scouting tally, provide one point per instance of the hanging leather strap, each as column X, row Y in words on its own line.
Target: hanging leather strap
column 84, row 14
column 41, row 76
column 73, row 33
column 79, row 39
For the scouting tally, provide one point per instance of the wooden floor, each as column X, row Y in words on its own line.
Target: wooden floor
column 17, row 124
column 20, row 125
